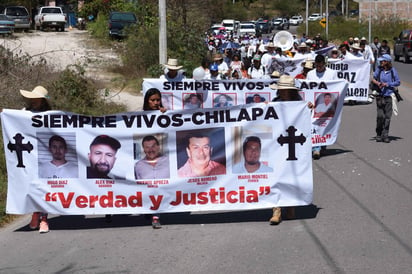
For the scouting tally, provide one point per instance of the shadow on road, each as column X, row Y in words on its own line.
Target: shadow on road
column 73, row 222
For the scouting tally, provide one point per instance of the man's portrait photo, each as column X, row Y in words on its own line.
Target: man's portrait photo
column 167, row 100
column 223, row 99
column 251, row 149
column 325, row 104
column 192, row 101
column 257, row 97
column 154, row 164
column 56, row 161
column 201, row 152
column 102, row 156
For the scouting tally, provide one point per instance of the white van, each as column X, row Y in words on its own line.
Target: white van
column 229, row 24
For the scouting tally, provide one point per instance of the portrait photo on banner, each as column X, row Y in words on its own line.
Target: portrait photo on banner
column 325, row 104
column 151, row 156
column 257, row 97
column 192, row 100
column 57, row 156
column 201, row 152
column 249, row 155
column 105, row 157
column 302, row 95
column 167, row 100
column 224, row 99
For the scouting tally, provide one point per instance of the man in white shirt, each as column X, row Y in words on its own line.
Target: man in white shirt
column 58, row 167
column 154, row 165
column 320, row 73
column 173, row 72
column 268, row 56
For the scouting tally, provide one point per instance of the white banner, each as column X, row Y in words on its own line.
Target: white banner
column 355, row 71
column 192, row 94
column 328, row 98
column 243, row 157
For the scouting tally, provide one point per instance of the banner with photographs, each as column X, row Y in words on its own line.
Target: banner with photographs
column 243, row 157
column 355, row 71
column 192, row 94
column 328, row 98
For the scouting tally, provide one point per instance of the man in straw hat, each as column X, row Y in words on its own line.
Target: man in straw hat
column 173, row 72
column 268, row 56
column 356, row 51
column 222, row 66
column 307, row 66
column 286, row 91
column 302, row 51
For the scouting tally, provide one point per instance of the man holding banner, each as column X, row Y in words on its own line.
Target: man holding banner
column 320, row 73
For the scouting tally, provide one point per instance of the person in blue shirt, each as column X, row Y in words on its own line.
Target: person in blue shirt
column 386, row 79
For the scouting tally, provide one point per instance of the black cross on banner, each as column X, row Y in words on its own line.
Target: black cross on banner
column 19, row 147
column 291, row 140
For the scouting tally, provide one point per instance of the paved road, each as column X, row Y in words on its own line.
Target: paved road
column 359, row 222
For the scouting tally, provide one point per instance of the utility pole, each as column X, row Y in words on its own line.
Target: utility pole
column 307, row 15
column 327, row 19
column 162, row 32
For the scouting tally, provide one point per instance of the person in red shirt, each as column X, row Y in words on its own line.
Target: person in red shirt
column 307, row 66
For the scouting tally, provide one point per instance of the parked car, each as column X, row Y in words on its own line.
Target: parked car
column 353, row 13
column 403, row 46
column 6, row 25
column 296, row 20
column 19, row 15
column 315, row 17
column 246, row 28
column 281, row 23
column 118, row 21
column 263, row 26
column 335, row 13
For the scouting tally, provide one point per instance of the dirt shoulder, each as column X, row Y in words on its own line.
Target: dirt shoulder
column 61, row 49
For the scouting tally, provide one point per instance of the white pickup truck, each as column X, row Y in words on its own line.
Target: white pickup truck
column 50, row 17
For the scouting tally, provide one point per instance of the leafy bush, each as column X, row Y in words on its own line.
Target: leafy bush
column 69, row 90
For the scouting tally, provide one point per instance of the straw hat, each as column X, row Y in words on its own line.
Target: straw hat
column 356, row 46
column 270, row 45
column 308, row 64
column 217, row 57
column 37, row 92
column 275, row 74
column 303, row 45
column 285, row 82
column 173, row 64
